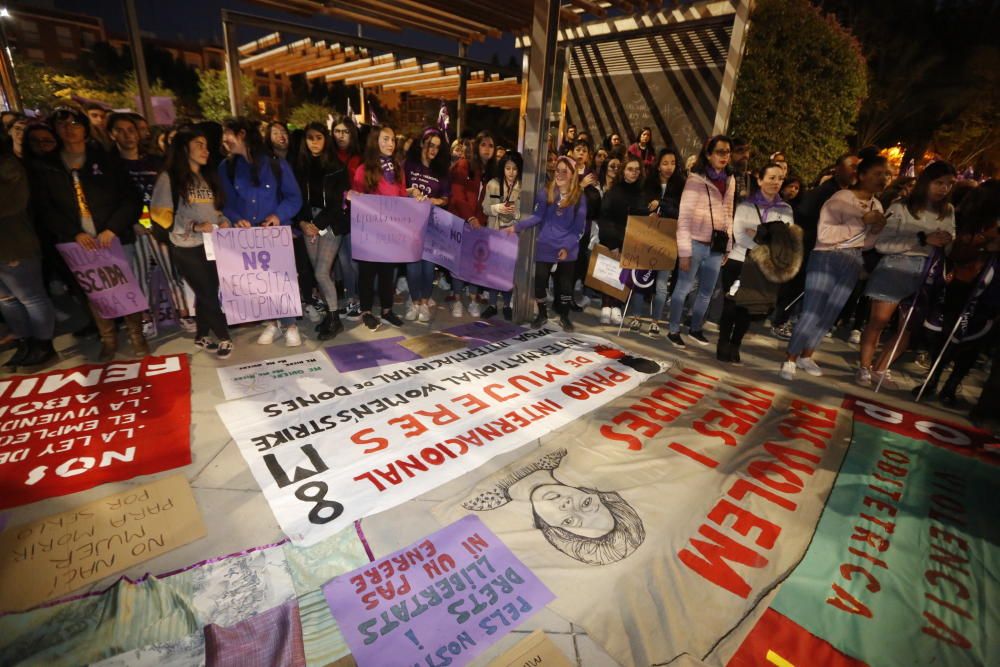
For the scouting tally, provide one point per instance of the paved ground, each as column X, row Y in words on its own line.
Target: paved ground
column 237, row 516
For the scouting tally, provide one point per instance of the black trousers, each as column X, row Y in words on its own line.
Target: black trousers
column 368, row 274
column 735, row 320
column 304, row 267
column 562, row 279
column 203, row 278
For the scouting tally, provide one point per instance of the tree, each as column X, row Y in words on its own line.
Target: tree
column 800, row 86
column 213, row 95
column 306, row 113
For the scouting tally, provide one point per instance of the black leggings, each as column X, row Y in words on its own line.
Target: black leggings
column 735, row 320
column 203, row 278
column 304, row 267
column 368, row 274
column 563, row 280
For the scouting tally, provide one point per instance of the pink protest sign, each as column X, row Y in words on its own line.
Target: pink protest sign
column 106, row 277
column 257, row 277
column 449, row 596
column 388, row 229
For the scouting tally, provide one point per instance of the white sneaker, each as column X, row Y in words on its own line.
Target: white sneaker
column 578, row 286
column 270, row 332
column 292, row 338
column 616, row 316
column 456, row 308
column 475, row 308
column 809, row 366
column 855, row 337
column 402, row 286
column 606, row 315
column 312, row 314
column 444, row 284
column 431, row 302
column 886, row 378
column 584, row 301
column 412, row 312
column 423, row 313
column 863, row 377
column 787, row 371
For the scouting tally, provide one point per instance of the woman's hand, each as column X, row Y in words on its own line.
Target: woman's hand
column 474, row 223
column 86, row 241
column 243, row 223
column 653, row 205
column 203, row 227
column 939, row 238
column 417, row 193
column 308, row 228
column 684, row 263
column 510, row 230
column 588, row 180
column 105, row 238
column 562, row 254
column 271, row 221
column 875, row 221
column 224, row 224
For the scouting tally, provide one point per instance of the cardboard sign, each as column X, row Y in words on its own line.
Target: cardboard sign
column 51, row 557
column 388, row 229
column 106, row 276
column 650, row 243
column 487, row 258
column 448, row 596
column 258, row 377
column 257, row 276
column 434, row 344
column 70, row 430
column 536, row 650
column 603, row 274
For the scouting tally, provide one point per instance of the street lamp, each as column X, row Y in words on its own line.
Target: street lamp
column 11, row 91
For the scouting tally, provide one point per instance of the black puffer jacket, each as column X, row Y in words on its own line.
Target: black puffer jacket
column 621, row 201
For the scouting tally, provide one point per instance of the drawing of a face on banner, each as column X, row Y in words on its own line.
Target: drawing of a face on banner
column 591, row 526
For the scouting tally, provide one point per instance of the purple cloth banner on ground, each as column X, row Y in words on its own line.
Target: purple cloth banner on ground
column 481, row 333
column 487, row 258
column 442, row 600
column 388, row 229
column 358, row 356
column 257, row 276
column 443, row 239
column 107, row 278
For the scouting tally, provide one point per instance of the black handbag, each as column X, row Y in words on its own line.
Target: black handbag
column 720, row 238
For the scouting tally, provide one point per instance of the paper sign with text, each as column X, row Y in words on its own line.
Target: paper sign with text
column 257, row 276
column 106, row 276
column 443, row 600
column 535, row 650
column 51, row 557
column 650, row 243
column 388, row 229
column 603, row 274
column 70, row 430
column 258, row 377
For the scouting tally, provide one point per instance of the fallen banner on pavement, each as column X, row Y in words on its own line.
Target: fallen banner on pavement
column 258, row 377
column 69, row 430
column 327, row 457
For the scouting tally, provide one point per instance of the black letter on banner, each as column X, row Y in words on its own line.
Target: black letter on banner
column 319, row 497
column 281, row 477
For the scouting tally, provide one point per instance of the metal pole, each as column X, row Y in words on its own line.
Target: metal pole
column 363, row 108
column 11, row 90
column 139, row 60
column 539, row 76
column 233, row 73
column 895, row 344
column 463, row 88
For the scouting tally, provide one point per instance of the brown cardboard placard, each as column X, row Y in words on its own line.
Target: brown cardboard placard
column 54, row 556
column 432, row 344
column 602, row 274
column 650, row 243
column 536, row 649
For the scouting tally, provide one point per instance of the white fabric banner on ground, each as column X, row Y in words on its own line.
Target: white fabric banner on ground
column 258, row 377
column 662, row 519
column 327, row 455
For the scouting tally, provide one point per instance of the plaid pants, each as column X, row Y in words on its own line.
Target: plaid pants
column 830, row 278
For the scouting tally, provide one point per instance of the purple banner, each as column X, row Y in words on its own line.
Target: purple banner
column 358, row 356
column 487, row 258
column 441, row 601
column 388, row 229
column 443, row 239
column 106, row 276
column 257, row 277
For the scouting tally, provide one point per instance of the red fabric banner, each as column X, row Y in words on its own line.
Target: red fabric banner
column 780, row 642
column 74, row 429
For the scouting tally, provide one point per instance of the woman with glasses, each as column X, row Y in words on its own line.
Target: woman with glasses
column 39, row 141
column 704, row 231
column 426, row 168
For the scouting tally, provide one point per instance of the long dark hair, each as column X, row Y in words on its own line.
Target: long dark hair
column 501, row 177
column 178, row 168
column 675, row 184
column 327, row 158
column 917, row 201
column 267, row 135
column 257, row 153
column 354, row 147
column 700, row 165
column 372, row 159
column 476, row 165
column 441, row 162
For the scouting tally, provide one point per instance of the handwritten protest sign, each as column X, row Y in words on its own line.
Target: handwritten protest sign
column 388, row 229
column 650, row 243
column 257, row 276
column 106, row 276
column 443, row 238
column 447, row 597
column 56, row 555
column 536, row 650
column 70, row 430
column 487, row 258
column 259, row 377
column 603, row 274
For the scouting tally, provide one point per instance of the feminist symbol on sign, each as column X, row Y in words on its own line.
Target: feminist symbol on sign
column 480, row 253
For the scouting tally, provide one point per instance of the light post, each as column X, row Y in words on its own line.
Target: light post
column 10, row 89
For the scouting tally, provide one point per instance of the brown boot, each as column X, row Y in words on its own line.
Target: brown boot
column 133, row 323
column 109, row 338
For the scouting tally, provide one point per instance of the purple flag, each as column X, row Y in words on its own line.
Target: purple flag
column 444, row 121
column 370, row 353
column 388, row 229
column 383, row 611
column 257, row 277
column 106, row 277
column 487, row 258
column 372, row 118
column 443, row 239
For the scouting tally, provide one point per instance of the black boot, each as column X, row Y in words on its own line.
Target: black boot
column 22, row 351
column 734, row 354
column 40, row 354
column 331, row 326
column 722, row 351
column 541, row 318
column 567, row 326
column 323, row 328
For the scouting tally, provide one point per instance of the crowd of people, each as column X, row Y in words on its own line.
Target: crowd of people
column 916, row 256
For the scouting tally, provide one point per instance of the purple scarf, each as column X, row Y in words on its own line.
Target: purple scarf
column 388, row 168
column 718, row 178
column 764, row 204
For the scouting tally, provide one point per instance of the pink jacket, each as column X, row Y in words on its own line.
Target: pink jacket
column 694, row 222
column 384, row 187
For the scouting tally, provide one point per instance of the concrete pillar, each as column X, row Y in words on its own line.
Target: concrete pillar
column 233, row 73
column 463, row 87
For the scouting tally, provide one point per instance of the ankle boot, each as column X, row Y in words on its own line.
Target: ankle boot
column 133, row 323
column 40, row 354
column 541, row 318
column 722, row 351
column 330, row 326
column 109, row 338
column 23, row 350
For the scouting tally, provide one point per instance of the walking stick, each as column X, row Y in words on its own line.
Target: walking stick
column 937, row 361
column 795, row 300
column 895, row 345
column 625, row 314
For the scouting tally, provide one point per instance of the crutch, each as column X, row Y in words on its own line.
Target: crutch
column 795, row 300
column 625, row 312
column 937, row 361
column 895, row 344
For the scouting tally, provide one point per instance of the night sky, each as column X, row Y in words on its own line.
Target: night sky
column 199, row 20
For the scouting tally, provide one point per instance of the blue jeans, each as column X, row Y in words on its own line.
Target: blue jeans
column 659, row 298
column 705, row 264
column 24, row 303
column 830, row 278
column 348, row 269
column 458, row 285
column 420, row 279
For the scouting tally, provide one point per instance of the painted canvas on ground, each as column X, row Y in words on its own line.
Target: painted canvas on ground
column 258, row 377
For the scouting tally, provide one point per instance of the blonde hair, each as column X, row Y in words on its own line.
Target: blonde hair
column 571, row 197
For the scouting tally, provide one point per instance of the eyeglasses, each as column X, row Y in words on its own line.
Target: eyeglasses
column 344, row 131
column 722, row 152
column 68, row 122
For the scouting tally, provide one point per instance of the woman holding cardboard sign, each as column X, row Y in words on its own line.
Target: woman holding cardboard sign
column 562, row 216
column 625, row 198
column 663, row 188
